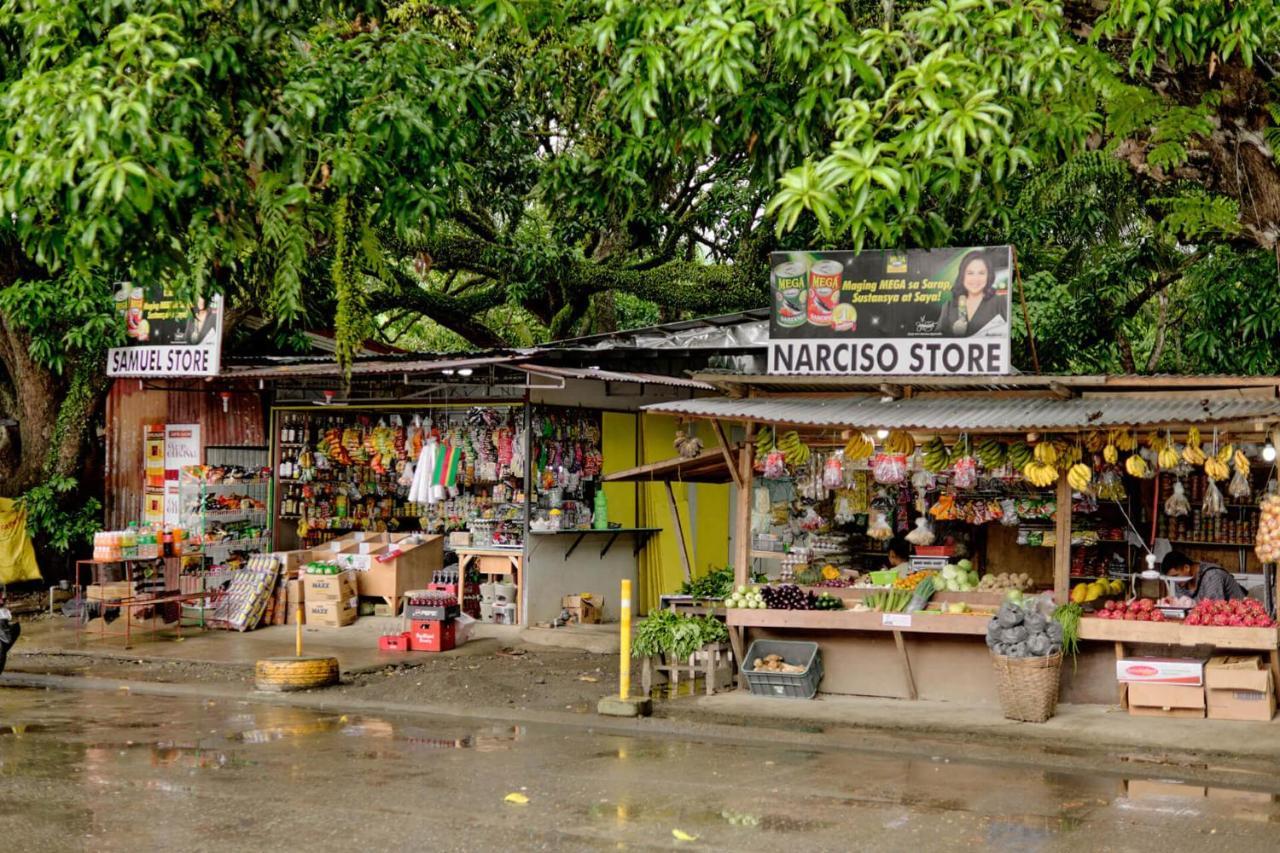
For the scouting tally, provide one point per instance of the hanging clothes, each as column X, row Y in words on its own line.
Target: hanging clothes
column 421, row 491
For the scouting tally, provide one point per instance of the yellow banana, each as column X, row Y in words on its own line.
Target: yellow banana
column 1192, row 454
column 1080, row 476
column 1241, row 463
column 1168, row 457
column 1045, row 453
column 1225, row 453
column 1110, row 454
column 1125, row 441
column 1136, row 466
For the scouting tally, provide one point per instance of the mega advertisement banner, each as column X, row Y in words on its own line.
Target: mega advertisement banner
column 166, row 336
column 920, row 311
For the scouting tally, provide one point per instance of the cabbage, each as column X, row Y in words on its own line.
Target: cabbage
column 1009, row 615
column 1055, row 632
column 1017, row 634
column 1018, row 650
column 948, row 571
column 966, row 565
column 1039, row 645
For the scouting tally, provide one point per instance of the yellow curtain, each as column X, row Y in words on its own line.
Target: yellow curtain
column 704, row 516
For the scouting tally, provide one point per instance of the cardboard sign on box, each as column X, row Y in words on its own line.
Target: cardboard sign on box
column 1239, row 688
column 332, row 614
column 1165, row 700
column 1188, row 672
column 337, row 587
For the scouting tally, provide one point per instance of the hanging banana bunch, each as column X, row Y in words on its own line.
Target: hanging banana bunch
column 1167, row 457
column 1046, row 453
column 935, row 457
column 1095, row 441
column 900, row 443
column 1241, row 463
column 990, row 453
column 1019, row 455
column 764, row 442
column 1040, row 474
column 1216, row 467
column 960, row 450
column 1137, row 466
column 795, row 451
column 1080, row 477
column 1068, row 455
column 858, row 447
column 1110, row 452
column 1192, row 454
column 1124, row 441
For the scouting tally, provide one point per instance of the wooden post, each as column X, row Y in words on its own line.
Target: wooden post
column 727, row 452
column 1062, row 550
column 742, row 511
column 742, row 539
column 675, row 519
column 906, row 665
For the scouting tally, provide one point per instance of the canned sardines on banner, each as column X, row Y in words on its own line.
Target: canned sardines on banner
column 935, row 311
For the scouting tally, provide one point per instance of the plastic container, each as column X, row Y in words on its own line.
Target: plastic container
column 799, row 685
column 884, row 578
column 936, row 550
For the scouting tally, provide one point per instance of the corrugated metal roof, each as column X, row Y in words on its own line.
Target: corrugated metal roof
column 613, row 376
column 288, row 368
column 974, row 414
column 1018, row 381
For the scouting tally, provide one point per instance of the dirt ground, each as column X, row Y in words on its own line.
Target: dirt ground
column 522, row 678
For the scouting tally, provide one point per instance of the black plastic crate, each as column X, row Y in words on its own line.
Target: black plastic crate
column 799, row 685
column 430, row 613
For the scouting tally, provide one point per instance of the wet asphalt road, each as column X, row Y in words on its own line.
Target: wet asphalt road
column 104, row 772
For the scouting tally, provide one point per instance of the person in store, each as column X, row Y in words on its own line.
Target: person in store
column 974, row 305
column 1209, row 581
column 899, row 557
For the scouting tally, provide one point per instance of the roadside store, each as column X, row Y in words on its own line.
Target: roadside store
column 880, row 412
column 521, row 440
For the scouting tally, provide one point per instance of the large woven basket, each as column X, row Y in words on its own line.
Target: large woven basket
column 1028, row 686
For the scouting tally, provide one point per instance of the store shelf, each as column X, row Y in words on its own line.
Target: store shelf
column 219, row 488
column 642, row 534
column 1178, row 634
column 232, row 514
column 845, row 620
column 768, row 555
column 1209, row 544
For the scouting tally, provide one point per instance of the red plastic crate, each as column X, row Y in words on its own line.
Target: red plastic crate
column 935, row 550
column 394, row 642
column 431, row 636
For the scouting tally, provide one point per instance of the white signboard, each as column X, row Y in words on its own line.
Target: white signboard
column 166, row 336
column 181, row 448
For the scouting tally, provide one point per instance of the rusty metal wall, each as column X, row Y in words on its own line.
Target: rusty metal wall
column 130, row 407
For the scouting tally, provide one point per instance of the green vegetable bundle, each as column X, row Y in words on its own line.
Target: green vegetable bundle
column 665, row 632
column 889, row 600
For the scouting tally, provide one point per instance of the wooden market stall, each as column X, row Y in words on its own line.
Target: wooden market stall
column 943, row 656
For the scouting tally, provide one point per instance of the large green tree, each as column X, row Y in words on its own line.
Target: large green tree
column 507, row 170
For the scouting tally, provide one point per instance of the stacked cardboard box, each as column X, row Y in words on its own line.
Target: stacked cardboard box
column 331, row 600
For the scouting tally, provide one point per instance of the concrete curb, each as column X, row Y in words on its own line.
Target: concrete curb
column 1133, row 764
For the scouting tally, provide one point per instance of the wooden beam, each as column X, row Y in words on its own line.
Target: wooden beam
column 742, row 511
column 675, row 518
column 890, row 390
column 906, row 665
column 728, row 454
column 1062, row 550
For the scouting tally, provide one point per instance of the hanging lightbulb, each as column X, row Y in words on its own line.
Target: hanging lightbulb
column 1269, row 452
column 882, row 434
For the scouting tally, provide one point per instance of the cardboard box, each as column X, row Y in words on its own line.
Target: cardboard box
column 398, row 567
column 1239, row 688
column 337, row 587
column 1188, row 672
column 293, row 561
column 431, row 636
column 586, row 609
column 293, row 600
column 331, row 614
column 108, row 591
column 1165, row 700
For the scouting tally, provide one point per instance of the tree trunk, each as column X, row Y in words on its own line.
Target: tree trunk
column 36, row 395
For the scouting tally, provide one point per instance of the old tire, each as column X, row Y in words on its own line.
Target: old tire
column 280, row 675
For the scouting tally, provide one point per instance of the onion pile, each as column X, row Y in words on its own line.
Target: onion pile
column 1267, row 544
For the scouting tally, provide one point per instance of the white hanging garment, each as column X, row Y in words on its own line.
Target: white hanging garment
column 420, row 491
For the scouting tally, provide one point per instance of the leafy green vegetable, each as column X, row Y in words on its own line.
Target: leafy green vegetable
column 1068, row 616
column 665, row 632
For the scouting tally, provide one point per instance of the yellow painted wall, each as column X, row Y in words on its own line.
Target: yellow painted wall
column 618, row 440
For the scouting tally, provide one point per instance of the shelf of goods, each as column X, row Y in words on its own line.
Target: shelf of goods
column 1178, row 634
column 223, row 505
column 922, row 622
column 356, row 470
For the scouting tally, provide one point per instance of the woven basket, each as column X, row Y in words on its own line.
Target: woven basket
column 1028, row 686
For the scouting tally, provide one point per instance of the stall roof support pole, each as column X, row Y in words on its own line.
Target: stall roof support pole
column 679, row 526
column 742, row 512
column 727, row 453
column 1062, row 549
column 906, row 665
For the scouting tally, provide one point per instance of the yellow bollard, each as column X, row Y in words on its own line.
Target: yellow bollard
column 298, row 634
column 624, row 665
